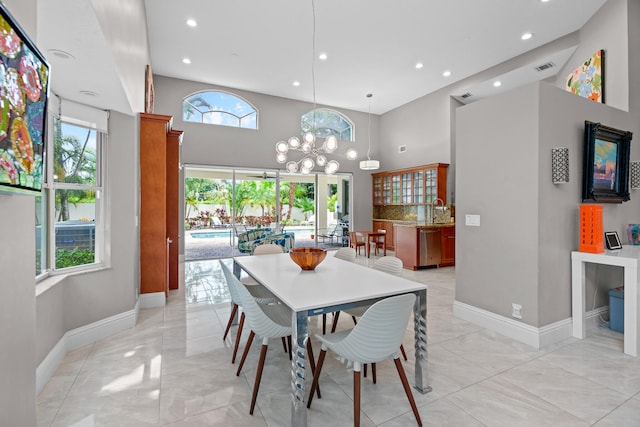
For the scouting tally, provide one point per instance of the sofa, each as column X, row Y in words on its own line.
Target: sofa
column 249, row 240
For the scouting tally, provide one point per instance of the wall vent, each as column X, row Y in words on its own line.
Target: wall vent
column 466, row 95
column 402, row 149
column 545, row 66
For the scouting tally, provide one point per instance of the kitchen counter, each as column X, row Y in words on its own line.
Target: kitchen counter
column 423, row 244
column 423, row 225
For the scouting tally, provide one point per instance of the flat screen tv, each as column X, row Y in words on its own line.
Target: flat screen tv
column 24, row 91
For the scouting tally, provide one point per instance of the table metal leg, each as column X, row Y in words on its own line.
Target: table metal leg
column 298, row 369
column 420, row 332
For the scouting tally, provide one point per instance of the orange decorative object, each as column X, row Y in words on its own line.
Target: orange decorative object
column 308, row 258
column 591, row 234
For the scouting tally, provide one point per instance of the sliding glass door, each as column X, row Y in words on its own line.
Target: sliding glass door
column 224, row 206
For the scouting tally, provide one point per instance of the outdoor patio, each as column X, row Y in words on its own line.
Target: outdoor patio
column 219, row 243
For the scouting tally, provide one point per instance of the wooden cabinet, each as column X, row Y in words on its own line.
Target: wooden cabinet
column 159, row 159
column 448, row 250
column 412, row 186
column 387, row 226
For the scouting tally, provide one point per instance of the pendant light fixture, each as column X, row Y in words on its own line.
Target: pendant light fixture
column 314, row 153
column 369, row 164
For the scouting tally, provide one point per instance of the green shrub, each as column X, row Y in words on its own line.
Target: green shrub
column 72, row 257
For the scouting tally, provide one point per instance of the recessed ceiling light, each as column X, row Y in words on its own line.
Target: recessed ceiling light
column 419, row 65
column 446, row 73
column 192, row 23
column 544, row 1
column 526, row 36
column 296, row 83
column 497, row 83
column 323, row 56
column 186, row 61
column 61, row 54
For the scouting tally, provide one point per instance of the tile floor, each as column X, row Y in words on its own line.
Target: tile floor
column 173, row 369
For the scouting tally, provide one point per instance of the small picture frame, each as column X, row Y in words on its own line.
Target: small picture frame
column 612, row 240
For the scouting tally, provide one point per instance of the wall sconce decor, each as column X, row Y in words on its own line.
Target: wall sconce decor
column 635, row 175
column 560, row 165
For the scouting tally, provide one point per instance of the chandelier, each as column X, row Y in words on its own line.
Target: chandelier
column 314, row 152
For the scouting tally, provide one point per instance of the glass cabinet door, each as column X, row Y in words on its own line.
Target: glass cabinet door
column 430, row 185
column 386, row 190
column 418, row 187
column 406, row 188
column 395, row 189
column 377, row 190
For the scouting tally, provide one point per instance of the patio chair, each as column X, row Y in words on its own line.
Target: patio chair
column 375, row 338
column 333, row 232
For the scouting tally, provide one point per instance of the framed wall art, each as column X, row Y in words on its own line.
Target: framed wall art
column 588, row 79
column 605, row 176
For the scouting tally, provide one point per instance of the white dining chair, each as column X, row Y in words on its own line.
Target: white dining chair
column 259, row 292
column 347, row 254
column 388, row 264
column 266, row 321
column 375, row 338
column 268, row 248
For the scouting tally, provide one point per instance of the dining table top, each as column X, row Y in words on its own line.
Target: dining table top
column 333, row 282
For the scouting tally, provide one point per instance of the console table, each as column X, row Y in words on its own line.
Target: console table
column 628, row 258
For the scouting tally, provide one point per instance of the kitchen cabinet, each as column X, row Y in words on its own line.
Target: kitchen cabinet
column 422, row 246
column 448, row 251
column 411, row 186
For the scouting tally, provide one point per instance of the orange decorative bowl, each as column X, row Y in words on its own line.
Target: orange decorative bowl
column 308, row 258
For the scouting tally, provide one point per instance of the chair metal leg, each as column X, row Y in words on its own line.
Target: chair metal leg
column 404, row 355
column 289, row 342
column 238, row 335
column 245, row 352
column 373, row 372
column 365, row 370
column 356, row 398
column 234, row 310
column 256, row 384
column 407, row 390
column 314, row 384
column 312, row 363
column 336, row 315
column 284, row 344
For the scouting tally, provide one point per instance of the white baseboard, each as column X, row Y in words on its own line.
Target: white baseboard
column 153, row 300
column 530, row 335
column 78, row 337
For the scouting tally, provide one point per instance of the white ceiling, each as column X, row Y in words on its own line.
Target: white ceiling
column 263, row 46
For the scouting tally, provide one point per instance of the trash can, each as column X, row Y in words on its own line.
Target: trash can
column 616, row 309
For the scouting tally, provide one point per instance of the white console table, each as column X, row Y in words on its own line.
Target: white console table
column 628, row 258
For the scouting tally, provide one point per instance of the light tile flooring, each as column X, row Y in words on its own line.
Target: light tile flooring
column 174, row 369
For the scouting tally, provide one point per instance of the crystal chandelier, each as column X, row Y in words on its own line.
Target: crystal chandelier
column 314, row 153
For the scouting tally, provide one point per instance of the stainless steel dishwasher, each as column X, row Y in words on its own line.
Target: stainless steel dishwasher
column 430, row 250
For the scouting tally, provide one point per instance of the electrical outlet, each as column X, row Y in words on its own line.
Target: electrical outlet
column 516, row 311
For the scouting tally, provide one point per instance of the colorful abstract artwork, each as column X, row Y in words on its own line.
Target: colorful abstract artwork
column 588, row 79
column 24, row 80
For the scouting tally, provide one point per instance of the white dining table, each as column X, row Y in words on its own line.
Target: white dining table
column 334, row 285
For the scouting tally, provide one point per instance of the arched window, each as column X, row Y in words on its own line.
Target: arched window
column 219, row 108
column 327, row 122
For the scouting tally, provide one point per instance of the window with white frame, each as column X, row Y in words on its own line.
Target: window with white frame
column 219, row 108
column 69, row 209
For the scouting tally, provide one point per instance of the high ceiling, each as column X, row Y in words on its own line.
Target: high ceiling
column 264, row 46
